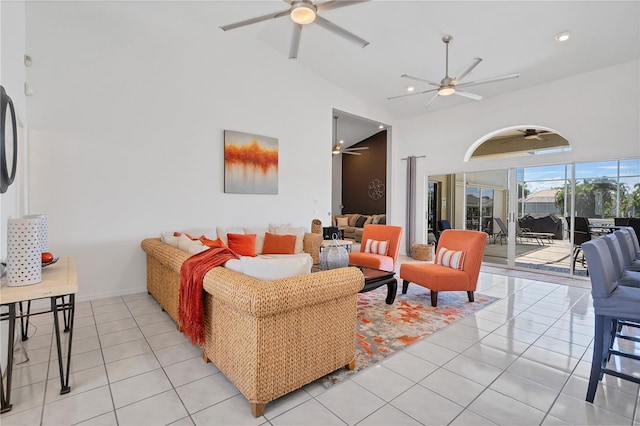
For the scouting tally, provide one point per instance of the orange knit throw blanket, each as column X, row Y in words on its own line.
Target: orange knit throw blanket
column 191, row 306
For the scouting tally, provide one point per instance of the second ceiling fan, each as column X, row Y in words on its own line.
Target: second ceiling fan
column 450, row 85
column 303, row 12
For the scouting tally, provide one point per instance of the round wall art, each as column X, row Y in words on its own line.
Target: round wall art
column 376, row 189
column 8, row 145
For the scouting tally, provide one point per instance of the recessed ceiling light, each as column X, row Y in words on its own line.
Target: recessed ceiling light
column 341, row 142
column 410, row 88
column 563, row 36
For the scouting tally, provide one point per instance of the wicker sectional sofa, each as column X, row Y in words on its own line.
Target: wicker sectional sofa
column 268, row 337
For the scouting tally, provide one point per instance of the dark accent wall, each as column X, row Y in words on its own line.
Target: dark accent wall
column 359, row 170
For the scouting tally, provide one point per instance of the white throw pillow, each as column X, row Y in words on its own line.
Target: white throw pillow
column 273, row 268
column 376, row 247
column 259, row 237
column 450, row 258
column 298, row 232
column 222, row 233
column 199, row 232
column 169, row 238
column 192, row 246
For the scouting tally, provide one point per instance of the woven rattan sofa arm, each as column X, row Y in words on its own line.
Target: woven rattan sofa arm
column 164, row 253
column 261, row 298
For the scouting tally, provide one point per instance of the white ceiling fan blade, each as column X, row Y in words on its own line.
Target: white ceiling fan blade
column 488, row 80
column 466, row 70
column 328, row 25
column 432, row 100
column 351, row 153
column 295, row 41
column 468, row 95
column 412, row 94
column 255, row 20
column 419, row 79
column 356, row 148
column 328, row 5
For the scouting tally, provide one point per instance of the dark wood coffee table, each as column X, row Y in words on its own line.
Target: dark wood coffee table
column 374, row 278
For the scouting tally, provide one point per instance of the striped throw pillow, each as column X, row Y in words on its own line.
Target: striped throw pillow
column 376, row 247
column 450, row 258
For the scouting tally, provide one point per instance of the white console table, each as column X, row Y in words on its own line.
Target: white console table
column 59, row 280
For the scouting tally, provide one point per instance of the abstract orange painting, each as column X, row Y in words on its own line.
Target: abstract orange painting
column 250, row 163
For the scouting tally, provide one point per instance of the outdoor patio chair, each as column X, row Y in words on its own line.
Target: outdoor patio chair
column 581, row 235
column 444, row 275
column 442, row 225
column 612, row 303
column 504, row 231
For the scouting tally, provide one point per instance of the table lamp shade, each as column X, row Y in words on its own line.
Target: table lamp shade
column 24, row 258
column 43, row 230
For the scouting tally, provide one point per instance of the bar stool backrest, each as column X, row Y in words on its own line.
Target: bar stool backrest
column 626, row 246
column 601, row 268
column 616, row 252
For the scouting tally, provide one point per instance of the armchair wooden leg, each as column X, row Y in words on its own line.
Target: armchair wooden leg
column 257, row 409
column 352, row 364
column 434, row 298
column 470, row 295
column 405, row 286
column 205, row 358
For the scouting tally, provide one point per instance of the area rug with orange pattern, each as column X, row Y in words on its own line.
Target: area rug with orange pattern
column 384, row 329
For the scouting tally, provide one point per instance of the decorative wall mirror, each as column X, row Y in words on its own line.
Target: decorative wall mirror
column 8, row 141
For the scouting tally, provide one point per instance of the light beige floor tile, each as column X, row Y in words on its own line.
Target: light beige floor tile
column 553, row 421
column 164, row 340
column 22, row 418
column 25, row 398
column 489, row 355
column 157, row 328
column 464, row 331
column 113, row 307
column 505, row 344
column 39, row 341
column 107, row 301
column 519, row 334
column 185, row 421
column 282, row 404
column 113, row 326
column 107, row 419
column 426, row 406
column 468, row 418
column 453, row 386
column 132, row 366
column 137, row 296
column 531, row 393
column 409, row 365
column 388, row 415
column 154, row 317
column 431, row 352
column 383, row 382
column 119, row 337
column 457, row 344
column 350, row 401
column 480, row 323
column 233, row 411
column 206, row 392
column 181, row 352
column 528, row 325
column 190, row 370
column 139, row 387
column 536, row 372
column 145, row 309
column 78, row 408
column 35, row 373
column 578, row 411
column 608, row 398
column 537, row 317
column 551, row 359
column 79, row 362
column 310, row 413
column 112, row 316
column 146, row 301
column 503, row 410
column 125, row 350
column 560, row 346
column 164, row 408
column 478, row 371
column 79, row 382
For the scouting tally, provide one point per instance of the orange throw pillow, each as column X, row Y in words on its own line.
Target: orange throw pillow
column 242, row 244
column 212, row 243
column 279, row 244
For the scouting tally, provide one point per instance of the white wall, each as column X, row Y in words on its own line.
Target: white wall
column 127, row 130
column 598, row 122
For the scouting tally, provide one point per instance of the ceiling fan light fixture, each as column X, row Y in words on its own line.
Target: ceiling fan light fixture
column 336, row 150
column 303, row 12
column 446, row 91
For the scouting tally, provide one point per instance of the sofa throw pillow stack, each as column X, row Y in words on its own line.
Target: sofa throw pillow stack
column 376, row 247
column 450, row 258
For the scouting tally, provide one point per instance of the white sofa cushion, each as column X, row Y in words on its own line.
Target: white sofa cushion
column 222, row 233
column 272, row 266
column 259, row 237
column 192, row 246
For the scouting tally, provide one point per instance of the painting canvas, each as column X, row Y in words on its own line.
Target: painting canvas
column 250, row 163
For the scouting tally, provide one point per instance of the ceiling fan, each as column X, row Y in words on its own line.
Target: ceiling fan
column 534, row 134
column 337, row 144
column 450, row 85
column 303, row 12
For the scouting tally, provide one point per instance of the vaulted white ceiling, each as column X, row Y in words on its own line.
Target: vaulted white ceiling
column 406, row 38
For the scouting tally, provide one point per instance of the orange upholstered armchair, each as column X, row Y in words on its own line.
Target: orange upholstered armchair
column 443, row 274
column 380, row 256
